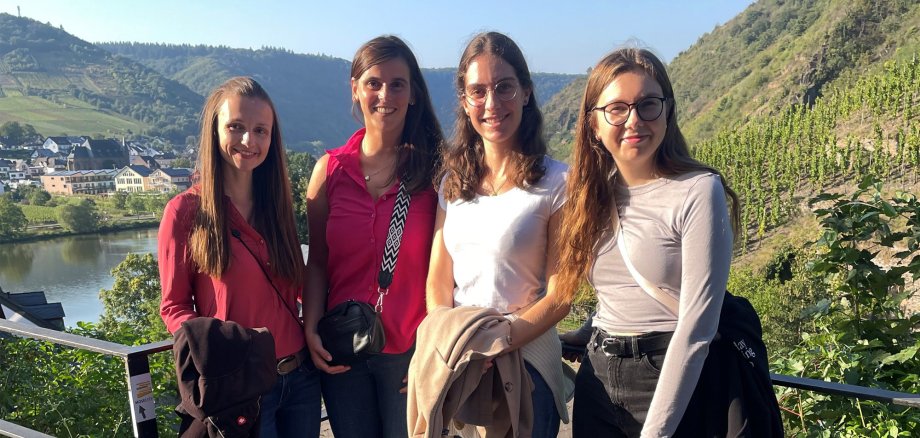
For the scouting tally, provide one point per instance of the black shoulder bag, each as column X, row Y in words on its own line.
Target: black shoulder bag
column 352, row 331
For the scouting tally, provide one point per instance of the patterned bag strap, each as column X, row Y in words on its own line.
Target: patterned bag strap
column 394, row 238
column 650, row 288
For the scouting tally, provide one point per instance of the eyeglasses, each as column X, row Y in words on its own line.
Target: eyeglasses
column 647, row 108
column 504, row 91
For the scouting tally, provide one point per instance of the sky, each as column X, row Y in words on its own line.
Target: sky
column 555, row 36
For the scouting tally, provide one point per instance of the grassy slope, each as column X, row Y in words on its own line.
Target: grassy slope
column 70, row 116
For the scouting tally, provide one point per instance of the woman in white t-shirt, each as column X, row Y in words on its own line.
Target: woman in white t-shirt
column 499, row 203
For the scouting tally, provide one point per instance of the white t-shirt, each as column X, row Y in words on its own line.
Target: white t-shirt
column 498, row 243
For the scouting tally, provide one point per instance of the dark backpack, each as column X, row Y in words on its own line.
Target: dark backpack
column 735, row 380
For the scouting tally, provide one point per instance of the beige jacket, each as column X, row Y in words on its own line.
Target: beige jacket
column 446, row 380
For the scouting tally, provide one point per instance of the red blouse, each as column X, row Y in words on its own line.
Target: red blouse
column 356, row 233
column 242, row 294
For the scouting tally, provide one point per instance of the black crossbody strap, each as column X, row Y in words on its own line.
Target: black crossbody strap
column 394, row 239
column 236, row 234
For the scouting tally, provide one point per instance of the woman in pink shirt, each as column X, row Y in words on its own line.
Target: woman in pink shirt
column 227, row 247
column 350, row 201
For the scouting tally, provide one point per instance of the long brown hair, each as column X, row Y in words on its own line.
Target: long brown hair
column 274, row 213
column 587, row 211
column 418, row 154
column 464, row 159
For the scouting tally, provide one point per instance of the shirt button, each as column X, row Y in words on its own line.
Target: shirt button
column 384, row 197
column 373, row 214
column 372, row 240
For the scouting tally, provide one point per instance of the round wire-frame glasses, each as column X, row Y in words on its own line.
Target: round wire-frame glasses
column 504, row 91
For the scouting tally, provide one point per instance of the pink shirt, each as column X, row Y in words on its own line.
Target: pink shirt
column 356, row 233
column 242, row 295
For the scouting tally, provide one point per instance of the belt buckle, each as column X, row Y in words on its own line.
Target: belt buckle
column 618, row 345
column 282, row 367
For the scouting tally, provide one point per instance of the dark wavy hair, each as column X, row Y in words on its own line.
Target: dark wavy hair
column 209, row 243
column 587, row 211
column 418, row 154
column 464, row 164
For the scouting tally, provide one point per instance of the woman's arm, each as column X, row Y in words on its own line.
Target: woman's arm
column 706, row 249
column 550, row 309
column 177, row 303
column 440, row 285
column 317, row 283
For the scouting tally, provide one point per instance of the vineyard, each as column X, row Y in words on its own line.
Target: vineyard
column 865, row 126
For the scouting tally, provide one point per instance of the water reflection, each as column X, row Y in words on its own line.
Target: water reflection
column 15, row 263
column 81, row 250
column 71, row 270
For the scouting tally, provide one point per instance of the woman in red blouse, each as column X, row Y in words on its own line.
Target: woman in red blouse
column 349, row 203
column 227, row 247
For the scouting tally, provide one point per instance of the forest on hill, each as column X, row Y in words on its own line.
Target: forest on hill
column 311, row 91
column 53, row 80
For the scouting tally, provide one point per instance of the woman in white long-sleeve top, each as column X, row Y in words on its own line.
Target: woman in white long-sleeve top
column 631, row 161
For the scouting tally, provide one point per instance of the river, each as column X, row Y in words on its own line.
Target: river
column 71, row 270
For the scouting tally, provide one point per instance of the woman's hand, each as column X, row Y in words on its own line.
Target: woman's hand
column 321, row 357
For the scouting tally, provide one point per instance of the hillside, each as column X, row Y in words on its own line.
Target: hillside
column 61, row 84
column 774, row 54
column 780, row 52
column 310, row 89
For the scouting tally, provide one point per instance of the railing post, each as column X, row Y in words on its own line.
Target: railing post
column 140, row 395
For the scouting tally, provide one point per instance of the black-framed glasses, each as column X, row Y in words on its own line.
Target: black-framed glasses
column 504, row 91
column 647, row 108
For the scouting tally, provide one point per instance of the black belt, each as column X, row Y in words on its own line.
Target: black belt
column 291, row 362
column 631, row 346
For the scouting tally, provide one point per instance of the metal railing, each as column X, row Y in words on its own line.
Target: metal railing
column 143, row 414
column 137, row 371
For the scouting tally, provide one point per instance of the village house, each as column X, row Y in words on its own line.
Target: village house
column 69, row 182
column 97, row 154
column 168, row 179
column 63, row 145
column 5, row 167
column 144, row 160
column 133, row 179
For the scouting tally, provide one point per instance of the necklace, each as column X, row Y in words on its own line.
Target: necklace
column 494, row 192
column 367, row 176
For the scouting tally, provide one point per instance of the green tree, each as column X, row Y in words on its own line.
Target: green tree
column 17, row 133
column 119, row 198
column 39, row 197
column 156, row 203
column 81, row 217
column 136, row 204
column 300, row 167
column 12, row 220
column 133, row 303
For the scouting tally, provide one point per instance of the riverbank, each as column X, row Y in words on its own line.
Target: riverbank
column 55, row 231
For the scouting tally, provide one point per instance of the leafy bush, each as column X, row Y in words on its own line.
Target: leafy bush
column 858, row 333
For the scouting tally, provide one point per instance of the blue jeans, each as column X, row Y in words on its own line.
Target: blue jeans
column 365, row 402
column 292, row 408
column 545, row 415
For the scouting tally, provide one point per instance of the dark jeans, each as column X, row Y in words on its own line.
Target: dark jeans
column 292, row 408
column 545, row 415
column 365, row 402
column 613, row 394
